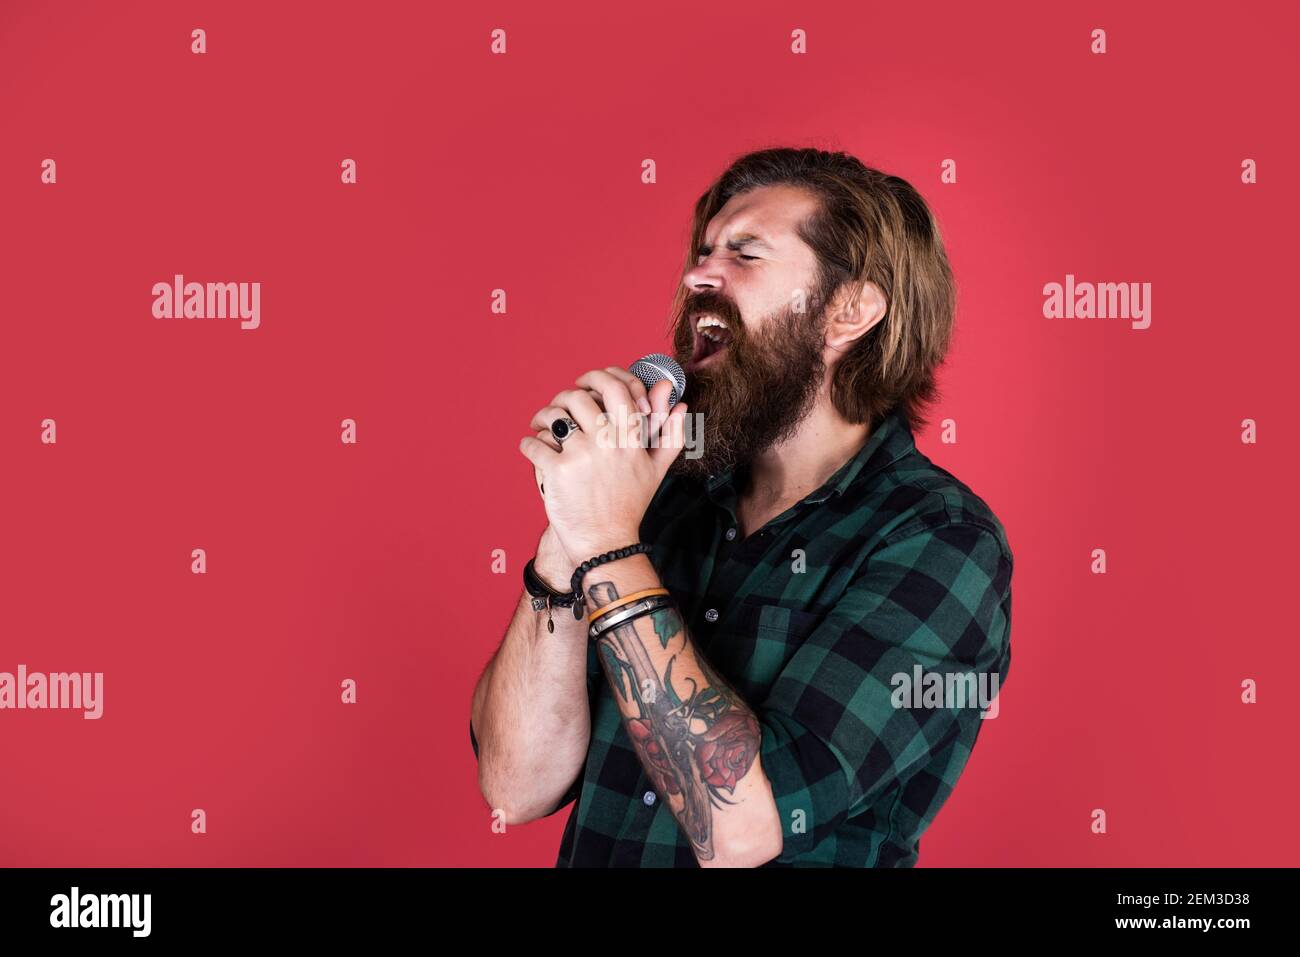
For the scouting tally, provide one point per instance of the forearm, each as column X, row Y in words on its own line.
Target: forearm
column 697, row 739
column 530, row 709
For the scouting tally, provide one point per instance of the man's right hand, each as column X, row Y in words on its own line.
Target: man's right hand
column 637, row 388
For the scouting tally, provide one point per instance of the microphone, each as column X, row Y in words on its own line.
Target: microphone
column 650, row 369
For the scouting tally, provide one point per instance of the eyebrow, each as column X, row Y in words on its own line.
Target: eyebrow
column 741, row 240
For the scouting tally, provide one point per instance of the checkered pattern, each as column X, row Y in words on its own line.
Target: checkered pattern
column 891, row 564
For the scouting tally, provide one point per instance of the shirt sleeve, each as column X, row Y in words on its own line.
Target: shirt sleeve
column 833, row 741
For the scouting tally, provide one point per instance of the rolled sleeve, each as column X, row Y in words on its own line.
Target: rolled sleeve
column 833, row 741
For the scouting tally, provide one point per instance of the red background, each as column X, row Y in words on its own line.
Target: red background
column 522, row 172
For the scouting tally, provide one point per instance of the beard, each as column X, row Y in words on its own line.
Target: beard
column 757, row 392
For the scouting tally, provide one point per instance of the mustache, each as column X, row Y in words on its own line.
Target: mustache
column 716, row 303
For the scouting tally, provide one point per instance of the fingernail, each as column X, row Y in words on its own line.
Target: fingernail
column 643, row 405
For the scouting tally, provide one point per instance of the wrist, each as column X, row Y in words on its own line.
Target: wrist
column 614, row 568
column 583, row 573
column 605, row 543
column 551, row 563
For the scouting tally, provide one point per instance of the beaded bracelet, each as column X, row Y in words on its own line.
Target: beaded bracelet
column 576, row 584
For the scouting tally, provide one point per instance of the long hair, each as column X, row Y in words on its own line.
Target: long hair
column 869, row 227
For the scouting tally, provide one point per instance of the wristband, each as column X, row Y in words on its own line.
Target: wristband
column 626, row 613
column 579, row 604
column 543, row 596
column 624, row 600
column 539, row 589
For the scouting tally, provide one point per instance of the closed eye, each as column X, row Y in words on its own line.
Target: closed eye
column 706, row 251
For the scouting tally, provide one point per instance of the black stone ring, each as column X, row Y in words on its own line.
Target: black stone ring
column 562, row 428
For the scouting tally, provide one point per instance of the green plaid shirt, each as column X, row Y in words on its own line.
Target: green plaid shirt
column 892, row 565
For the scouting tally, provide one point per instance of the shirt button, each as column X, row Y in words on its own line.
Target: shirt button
column 648, row 798
column 731, row 534
column 711, row 615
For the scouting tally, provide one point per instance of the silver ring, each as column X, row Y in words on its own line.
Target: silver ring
column 563, row 428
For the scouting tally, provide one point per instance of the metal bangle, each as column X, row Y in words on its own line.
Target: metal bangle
column 627, row 612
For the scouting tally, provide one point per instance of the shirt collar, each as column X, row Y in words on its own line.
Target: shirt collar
column 888, row 442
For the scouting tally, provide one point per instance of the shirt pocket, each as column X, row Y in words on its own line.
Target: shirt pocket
column 757, row 642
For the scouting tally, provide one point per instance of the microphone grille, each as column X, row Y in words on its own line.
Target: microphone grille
column 656, row 366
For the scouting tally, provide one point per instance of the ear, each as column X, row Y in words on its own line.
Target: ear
column 850, row 318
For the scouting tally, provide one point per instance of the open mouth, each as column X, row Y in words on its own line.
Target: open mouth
column 711, row 339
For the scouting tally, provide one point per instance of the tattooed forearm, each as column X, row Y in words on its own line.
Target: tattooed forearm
column 696, row 739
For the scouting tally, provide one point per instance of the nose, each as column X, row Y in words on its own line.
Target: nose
column 705, row 274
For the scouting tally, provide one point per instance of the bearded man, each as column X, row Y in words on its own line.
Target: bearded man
column 725, row 692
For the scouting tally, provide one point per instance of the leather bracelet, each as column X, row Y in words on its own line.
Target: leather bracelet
column 624, row 600
column 539, row 589
column 543, row 596
column 643, row 606
column 579, row 606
